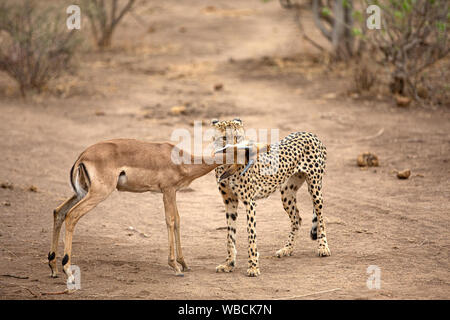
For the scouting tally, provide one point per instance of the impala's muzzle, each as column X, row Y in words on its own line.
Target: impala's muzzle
column 249, row 153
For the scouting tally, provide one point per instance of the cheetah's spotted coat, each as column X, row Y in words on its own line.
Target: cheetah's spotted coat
column 299, row 157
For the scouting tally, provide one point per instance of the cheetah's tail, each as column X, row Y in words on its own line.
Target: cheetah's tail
column 324, row 152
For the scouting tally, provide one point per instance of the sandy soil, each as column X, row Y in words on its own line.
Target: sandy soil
column 175, row 58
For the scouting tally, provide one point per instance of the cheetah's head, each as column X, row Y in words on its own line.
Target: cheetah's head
column 227, row 132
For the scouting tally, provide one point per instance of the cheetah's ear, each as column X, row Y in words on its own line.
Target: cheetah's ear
column 237, row 122
column 214, row 122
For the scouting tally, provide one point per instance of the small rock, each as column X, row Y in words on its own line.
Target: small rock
column 218, row 86
column 7, row 185
column 204, row 122
column 210, row 9
column 404, row 174
column 367, row 159
column 99, row 113
column 177, row 110
column 7, row 204
column 33, row 188
column 330, row 95
column 402, row 101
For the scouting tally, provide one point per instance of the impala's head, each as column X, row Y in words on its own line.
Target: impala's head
column 245, row 153
column 227, row 132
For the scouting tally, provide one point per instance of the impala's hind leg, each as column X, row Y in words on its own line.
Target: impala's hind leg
column 289, row 199
column 59, row 214
column 99, row 190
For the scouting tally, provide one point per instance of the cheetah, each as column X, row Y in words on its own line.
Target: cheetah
column 284, row 165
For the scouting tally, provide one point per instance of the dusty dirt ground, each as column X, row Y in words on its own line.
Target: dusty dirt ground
column 175, row 56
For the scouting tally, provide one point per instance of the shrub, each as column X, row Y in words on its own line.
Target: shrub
column 413, row 38
column 104, row 18
column 35, row 44
column 364, row 77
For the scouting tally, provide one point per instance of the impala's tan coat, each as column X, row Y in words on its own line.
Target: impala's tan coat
column 127, row 165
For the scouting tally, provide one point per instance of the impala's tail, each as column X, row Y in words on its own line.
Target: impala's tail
column 79, row 179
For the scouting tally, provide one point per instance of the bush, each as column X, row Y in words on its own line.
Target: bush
column 413, row 38
column 104, row 18
column 35, row 44
column 364, row 77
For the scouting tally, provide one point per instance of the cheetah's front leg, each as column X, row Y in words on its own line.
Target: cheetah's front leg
column 231, row 205
column 253, row 255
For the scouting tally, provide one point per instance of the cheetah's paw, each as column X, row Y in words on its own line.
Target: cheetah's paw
column 283, row 252
column 225, row 268
column 324, row 251
column 253, row 272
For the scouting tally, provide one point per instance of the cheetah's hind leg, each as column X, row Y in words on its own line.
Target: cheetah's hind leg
column 289, row 200
column 318, row 229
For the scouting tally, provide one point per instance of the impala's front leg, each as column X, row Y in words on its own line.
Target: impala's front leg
column 170, row 211
column 253, row 264
column 180, row 256
column 231, row 206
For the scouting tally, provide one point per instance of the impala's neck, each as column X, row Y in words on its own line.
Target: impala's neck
column 200, row 166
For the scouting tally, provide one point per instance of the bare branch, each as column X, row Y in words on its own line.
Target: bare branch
column 315, row 8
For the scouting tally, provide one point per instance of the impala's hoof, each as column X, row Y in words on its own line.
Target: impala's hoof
column 71, row 279
column 185, row 268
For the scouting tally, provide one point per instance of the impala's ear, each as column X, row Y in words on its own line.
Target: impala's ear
column 253, row 151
